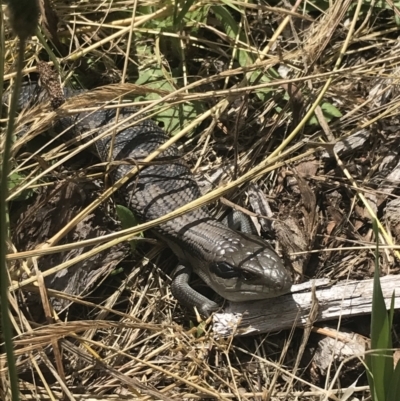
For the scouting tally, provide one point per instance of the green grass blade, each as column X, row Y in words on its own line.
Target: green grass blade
column 6, row 325
column 23, row 17
column 178, row 18
column 380, row 361
column 393, row 390
column 232, row 29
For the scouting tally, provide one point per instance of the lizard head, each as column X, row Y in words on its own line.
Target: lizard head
column 244, row 267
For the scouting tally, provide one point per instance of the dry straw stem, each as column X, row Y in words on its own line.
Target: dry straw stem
column 356, row 70
column 126, row 338
column 129, row 234
column 40, row 337
column 311, row 112
column 371, row 212
column 210, row 197
column 216, row 110
column 391, row 110
column 165, row 11
column 93, row 26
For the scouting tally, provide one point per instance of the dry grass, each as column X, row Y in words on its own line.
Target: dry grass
column 124, row 337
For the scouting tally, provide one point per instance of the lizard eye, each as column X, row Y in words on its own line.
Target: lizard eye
column 224, row 270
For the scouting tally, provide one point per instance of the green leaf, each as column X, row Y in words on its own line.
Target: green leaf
column 231, row 5
column 264, row 94
column 128, row 220
column 197, row 17
column 174, row 118
column 116, row 271
column 329, row 111
column 198, row 329
column 14, row 181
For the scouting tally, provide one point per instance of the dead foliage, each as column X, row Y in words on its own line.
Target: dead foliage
column 95, row 321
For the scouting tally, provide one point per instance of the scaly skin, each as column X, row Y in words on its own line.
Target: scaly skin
column 237, row 266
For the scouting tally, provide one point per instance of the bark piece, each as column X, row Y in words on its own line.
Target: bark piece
column 51, row 211
column 346, row 298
